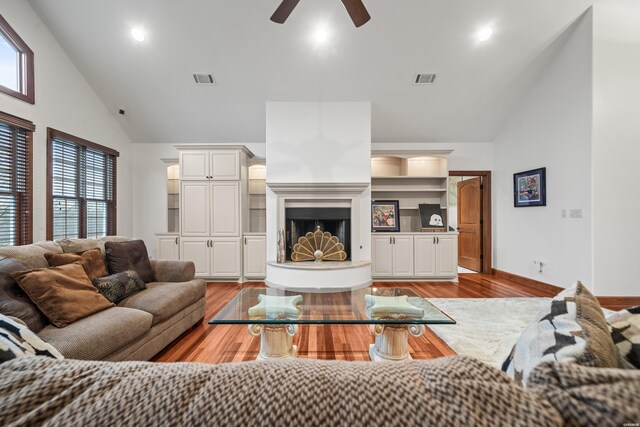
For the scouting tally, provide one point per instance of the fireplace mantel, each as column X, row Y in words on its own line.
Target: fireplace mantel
column 334, row 189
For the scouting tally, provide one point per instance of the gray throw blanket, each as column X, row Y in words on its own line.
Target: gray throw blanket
column 449, row 391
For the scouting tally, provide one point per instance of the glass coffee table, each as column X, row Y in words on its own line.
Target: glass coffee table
column 275, row 315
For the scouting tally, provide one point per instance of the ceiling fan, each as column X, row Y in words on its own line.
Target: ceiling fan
column 356, row 9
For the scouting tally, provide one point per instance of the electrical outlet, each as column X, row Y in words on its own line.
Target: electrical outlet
column 563, row 213
column 575, row 213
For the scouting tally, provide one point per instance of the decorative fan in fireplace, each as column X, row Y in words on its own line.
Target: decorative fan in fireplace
column 318, row 246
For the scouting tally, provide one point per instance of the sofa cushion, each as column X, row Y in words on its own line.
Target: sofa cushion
column 14, row 301
column 119, row 286
column 163, row 300
column 80, row 245
column 132, row 255
column 32, row 256
column 571, row 329
column 625, row 332
column 64, row 294
column 16, row 341
column 97, row 336
column 91, row 260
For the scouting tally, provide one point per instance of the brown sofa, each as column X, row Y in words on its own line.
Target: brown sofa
column 141, row 325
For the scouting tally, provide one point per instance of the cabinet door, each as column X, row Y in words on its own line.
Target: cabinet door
column 255, row 257
column 447, row 256
column 198, row 251
column 424, row 249
column 402, row 256
column 225, row 165
column 194, row 165
column 167, row 247
column 381, row 256
column 226, row 258
column 225, row 209
column 195, row 209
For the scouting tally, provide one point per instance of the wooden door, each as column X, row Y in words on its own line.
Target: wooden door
column 446, row 256
column 225, row 209
column 470, row 224
column 194, row 209
column 424, row 248
column 255, row 257
column 197, row 250
column 402, row 256
column 226, row 258
column 381, row 256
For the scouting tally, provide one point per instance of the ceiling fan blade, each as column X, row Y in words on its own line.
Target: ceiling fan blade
column 357, row 12
column 284, row 10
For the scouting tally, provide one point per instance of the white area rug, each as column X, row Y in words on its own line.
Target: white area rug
column 486, row 328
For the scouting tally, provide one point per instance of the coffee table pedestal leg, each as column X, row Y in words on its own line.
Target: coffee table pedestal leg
column 392, row 342
column 276, row 341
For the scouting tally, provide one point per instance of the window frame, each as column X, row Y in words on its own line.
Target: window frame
column 26, row 73
column 24, row 231
column 82, row 220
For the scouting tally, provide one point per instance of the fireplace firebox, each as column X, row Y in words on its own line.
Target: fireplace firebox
column 300, row 221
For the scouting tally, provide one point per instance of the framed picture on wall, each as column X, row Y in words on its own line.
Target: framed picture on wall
column 385, row 215
column 530, row 188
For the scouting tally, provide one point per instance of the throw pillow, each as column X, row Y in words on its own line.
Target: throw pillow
column 14, row 302
column 625, row 332
column 118, row 286
column 132, row 255
column 571, row 329
column 16, row 341
column 64, row 294
column 91, row 260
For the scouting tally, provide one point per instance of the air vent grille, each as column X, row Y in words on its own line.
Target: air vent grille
column 424, row 79
column 204, row 79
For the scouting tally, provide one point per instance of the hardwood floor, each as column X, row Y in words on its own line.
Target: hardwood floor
column 232, row 343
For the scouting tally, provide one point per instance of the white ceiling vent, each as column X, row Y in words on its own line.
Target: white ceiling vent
column 424, row 79
column 204, row 79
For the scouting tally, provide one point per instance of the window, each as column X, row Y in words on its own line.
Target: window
column 16, row 174
column 81, row 188
column 16, row 65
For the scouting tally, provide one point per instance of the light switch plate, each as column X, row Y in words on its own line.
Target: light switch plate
column 563, row 213
column 575, row 213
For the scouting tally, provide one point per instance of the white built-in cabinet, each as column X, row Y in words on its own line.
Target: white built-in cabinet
column 418, row 255
column 392, row 256
column 202, row 165
column 213, row 208
column 255, row 256
column 436, row 255
column 168, row 246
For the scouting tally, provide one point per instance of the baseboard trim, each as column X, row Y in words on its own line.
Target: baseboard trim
column 525, row 281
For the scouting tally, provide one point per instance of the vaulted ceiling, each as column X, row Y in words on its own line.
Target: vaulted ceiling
column 255, row 60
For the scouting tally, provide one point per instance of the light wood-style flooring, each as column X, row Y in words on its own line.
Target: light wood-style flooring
column 232, row 343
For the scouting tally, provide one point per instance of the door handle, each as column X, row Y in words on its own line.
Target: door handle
column 245, row 240
column 390, row 240
column 176, row 240
column 438, row 240
column 434, row 240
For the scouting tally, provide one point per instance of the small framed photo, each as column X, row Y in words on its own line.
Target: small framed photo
column 431, row 217
column 385, row 215
column 530, row 188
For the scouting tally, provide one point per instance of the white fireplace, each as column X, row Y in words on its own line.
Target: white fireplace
column 319, row 156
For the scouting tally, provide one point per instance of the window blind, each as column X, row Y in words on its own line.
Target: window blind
column 82, row 188
column 16, row 175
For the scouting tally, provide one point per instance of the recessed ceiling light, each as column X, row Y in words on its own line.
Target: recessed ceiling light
column 321, row 36
column 484, row 34
column 137, row 34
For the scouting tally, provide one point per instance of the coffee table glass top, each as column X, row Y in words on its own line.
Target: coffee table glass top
column 361, row 306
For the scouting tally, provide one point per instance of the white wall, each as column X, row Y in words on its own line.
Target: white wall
column 149, row 186
column 616, row 148
column 551, row 128
column 64, row 101
column 318, row 142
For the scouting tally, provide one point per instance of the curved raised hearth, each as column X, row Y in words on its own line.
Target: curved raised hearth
column 324, row 276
